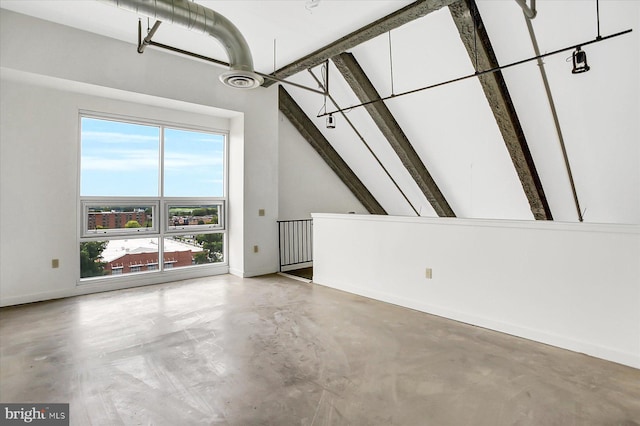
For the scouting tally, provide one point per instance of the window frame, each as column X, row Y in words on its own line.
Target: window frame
column 159, row 204
column 193, row 202
column 89, row 202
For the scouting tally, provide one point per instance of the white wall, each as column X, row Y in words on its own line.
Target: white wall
column 576, row 286
column 49, row 72
column 306, row 183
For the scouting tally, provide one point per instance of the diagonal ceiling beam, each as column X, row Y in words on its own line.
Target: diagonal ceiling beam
column 316, row 139
column 396, row 19
column 476, row 41
column 365, row 91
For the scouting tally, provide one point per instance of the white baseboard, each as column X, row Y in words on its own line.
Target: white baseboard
column 237, row 272
column 258, row 272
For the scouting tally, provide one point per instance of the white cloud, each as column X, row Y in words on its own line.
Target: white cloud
column 122, row 160
column 176, row 161
column 119, row 138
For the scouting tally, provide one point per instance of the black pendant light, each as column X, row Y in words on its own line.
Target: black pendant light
column 580, row 61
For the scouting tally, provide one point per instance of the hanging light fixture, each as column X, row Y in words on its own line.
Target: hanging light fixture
column 580, row 61
column 331, row 122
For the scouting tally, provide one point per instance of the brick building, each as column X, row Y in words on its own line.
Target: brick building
column 141, row 254
column 148, row 261
column 115, row 220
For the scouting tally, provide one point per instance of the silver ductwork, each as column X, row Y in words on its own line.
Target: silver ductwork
column 199, row 18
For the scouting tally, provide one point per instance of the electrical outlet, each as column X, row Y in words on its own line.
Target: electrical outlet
column 255, row 249
column 55, row 263
column 428, row 273
column 261, row 212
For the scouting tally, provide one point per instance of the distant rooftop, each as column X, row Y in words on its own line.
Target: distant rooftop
column 118, row 248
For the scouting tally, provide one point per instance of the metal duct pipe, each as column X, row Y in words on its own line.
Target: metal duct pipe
column 196, row 17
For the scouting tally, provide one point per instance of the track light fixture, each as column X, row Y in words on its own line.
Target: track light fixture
column 580, row 61
column 485, row 72
column 331, row 122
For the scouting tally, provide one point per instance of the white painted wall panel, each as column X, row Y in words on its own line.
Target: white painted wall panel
column 575, row 286
column 306, row 183
column 49, row 73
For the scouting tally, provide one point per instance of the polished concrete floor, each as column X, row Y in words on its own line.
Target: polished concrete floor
column 275, row 351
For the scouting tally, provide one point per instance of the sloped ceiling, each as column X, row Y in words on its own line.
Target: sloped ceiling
column 451, row 128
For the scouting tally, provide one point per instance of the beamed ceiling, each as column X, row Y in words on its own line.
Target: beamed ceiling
column 482, row 147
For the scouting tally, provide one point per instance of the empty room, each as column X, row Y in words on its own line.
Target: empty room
column 320, row 212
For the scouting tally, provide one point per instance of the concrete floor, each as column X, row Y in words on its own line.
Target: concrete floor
column 275, row 351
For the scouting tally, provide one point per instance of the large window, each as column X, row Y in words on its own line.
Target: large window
column 153, row 197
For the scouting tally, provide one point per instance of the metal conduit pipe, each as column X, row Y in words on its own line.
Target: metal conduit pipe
column 147, row 39
column 529, row 12
column 556, row 120
column 196, row 17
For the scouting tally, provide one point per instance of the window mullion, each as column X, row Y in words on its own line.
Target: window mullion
column 163, row 219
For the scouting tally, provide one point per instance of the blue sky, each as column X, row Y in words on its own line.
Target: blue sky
column 123, row 160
